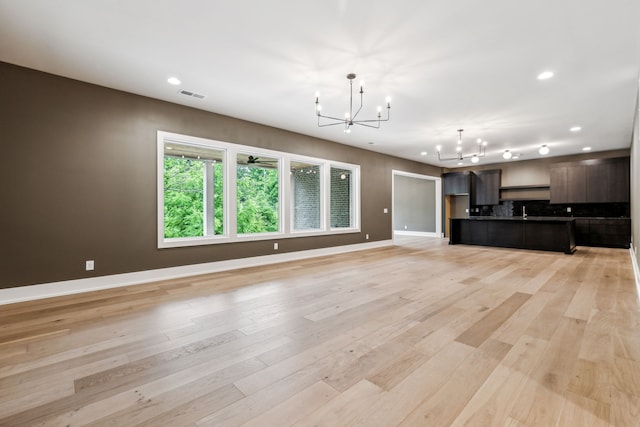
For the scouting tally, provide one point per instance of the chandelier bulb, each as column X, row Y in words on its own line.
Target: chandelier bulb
column 475, row 159
column 438, row 148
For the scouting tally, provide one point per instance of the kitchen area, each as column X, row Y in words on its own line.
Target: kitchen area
column 552, row 205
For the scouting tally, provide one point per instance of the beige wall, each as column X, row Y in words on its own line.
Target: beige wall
column 635, row 181
column 78, row 170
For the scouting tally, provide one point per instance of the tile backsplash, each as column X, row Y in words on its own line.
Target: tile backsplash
column 544, row 208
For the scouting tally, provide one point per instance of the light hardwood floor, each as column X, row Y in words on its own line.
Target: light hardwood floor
column 419, row 334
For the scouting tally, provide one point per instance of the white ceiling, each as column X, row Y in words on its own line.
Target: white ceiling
column 446, row 64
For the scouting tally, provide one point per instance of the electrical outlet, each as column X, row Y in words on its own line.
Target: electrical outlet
column 275, row 246
column 366, row 237
column 89, row 265
column 385, row 210
column 569, row 209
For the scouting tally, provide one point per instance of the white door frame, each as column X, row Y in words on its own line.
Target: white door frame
column 438, row 202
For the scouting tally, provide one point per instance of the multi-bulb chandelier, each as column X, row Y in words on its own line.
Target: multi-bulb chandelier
column 475, row 157
column 350, row 117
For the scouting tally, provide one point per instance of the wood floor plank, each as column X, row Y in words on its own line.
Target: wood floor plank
column 482, row 330
column 542, row 399
column 492, row 402
column 296, row 408
column 419, row 333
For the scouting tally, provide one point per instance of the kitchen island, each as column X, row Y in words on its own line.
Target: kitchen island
column 538, row 233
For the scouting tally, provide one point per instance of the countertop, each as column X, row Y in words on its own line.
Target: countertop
column 519, row 218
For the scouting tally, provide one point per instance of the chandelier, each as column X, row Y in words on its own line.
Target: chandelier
column 475, row 157
column 350, row 117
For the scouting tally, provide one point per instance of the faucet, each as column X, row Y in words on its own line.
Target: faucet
column 524, row 212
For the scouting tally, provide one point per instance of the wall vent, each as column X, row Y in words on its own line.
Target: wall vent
column 192, row 94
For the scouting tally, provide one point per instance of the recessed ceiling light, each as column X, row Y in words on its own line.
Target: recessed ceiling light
column 460, row 163
column 545, row 75
column 586, row 148
column 506, row 155
column 575, row 129
column 174, row 81
column 544, row 150
column 424, row 153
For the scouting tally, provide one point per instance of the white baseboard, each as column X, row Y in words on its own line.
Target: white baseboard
column 68, row 287
column 415, row 233
column 636, row 271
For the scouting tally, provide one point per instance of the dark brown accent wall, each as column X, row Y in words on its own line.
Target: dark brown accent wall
column 78, row 176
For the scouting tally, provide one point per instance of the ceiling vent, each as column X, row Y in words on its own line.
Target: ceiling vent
column 192, row 94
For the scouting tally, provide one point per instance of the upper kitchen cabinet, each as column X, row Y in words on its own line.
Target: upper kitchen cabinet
column 457, row 183
column 590, row 181
column 486, row 187
column 618, row 179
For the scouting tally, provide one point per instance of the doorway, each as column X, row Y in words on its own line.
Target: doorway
column 417, row 206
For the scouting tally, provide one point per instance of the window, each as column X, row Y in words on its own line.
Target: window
column 193, row 191
column 216, row 192
column 342, row 197
column 306, row 196
column 257, row 194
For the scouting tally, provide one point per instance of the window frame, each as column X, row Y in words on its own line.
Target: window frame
column 323, row 200
column 285, row 213
column 354, row 200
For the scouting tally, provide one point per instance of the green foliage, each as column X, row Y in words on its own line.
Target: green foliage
column 183, row 201
column 257, row 204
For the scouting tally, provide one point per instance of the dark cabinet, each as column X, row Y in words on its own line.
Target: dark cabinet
column 610, row 232
column 619, row 179
column 590, row 181
column 605, row 232
column 486, row 187
column 576, row 184
column 582, row 232
column 558, row 184
column 457, row 183
column 598, row 183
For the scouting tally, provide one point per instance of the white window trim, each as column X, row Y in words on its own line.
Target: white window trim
column 230, row 234
column 323, row 200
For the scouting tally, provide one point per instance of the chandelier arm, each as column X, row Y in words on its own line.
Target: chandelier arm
column 356, row 114
column 361, row 123
column 332, row 118
column 371, row 120
column 378, row 119
column 323, row 125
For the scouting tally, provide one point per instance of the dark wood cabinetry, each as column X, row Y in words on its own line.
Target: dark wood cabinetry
column 483, row 187
column 590, row 181
column 546, row 234
column 604, row 232
column 618, row 177
column 486, row 187
column 457, row 183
